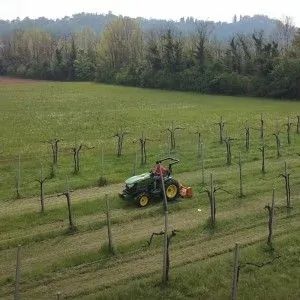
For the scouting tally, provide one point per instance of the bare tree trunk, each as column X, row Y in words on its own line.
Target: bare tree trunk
column 227, row 141
column 67, row 194
column 198, row 133
column 212, row 201
column 41, row 181
column 235, row 272
column 54, row 147
column 172, row 131
column 288, row 130
column 270, row 223
column 247, row 136
column 286, row 177
column 166, row 255
column 143, row 141
column 276, row 134
column 120, row 138
column 298, row 125
column 76, row 150
column 221, row 130
column 261, row 127
column 262, row 149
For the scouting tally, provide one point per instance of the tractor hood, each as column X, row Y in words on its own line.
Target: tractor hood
column 132, row 180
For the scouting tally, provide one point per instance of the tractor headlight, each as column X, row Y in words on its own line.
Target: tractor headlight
column 130, row 185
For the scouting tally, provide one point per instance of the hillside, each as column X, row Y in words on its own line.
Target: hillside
column 68, row 25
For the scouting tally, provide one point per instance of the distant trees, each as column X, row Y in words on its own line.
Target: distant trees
column 252, row 64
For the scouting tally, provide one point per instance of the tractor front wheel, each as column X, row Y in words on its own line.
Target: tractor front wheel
column 143, row 200
column 172, row 189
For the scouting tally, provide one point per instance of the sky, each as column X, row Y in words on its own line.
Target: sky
column 212, row 10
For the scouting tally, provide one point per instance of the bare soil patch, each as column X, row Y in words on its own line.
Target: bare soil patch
column 4, row 80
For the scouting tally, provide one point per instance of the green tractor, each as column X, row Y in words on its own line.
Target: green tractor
column 147, row 186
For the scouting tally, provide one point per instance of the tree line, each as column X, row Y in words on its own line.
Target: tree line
column 255, row 64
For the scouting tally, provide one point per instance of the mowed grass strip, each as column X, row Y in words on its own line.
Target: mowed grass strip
column 89, row 279
column 60, row 253
column 211, row 278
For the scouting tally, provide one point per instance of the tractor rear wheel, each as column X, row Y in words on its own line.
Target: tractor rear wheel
column 172, row 189
column 143, row 200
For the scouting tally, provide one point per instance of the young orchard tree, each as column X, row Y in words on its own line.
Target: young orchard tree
column 228, row 141
column 221, row 125
column 288, row 130
column 286, row 177
column 76, row 150
column 54, row 147
column 270, row 209
column 212, row 200
column 263, row 153
column 41, row 181
column 278, row 144
column 120, row 140
column 247, row 136
column 67, row 194
column 198, row 133
column 172, row 131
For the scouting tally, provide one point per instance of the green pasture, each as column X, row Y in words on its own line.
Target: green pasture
column 92, row 114
column 78, row 265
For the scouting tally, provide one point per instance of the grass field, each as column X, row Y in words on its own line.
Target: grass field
column 78, row 265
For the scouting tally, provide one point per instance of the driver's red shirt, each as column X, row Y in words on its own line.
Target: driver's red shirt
column 160, row 169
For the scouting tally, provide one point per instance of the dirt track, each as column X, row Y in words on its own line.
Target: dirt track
column 4, row 80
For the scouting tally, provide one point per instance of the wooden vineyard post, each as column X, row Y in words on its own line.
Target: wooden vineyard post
column 111, row 248
column 166, row 225
column 102, row 180
column 235, row 272
column 18, row 179
column 202, row 162
column 18, row 270
column 241, row 176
